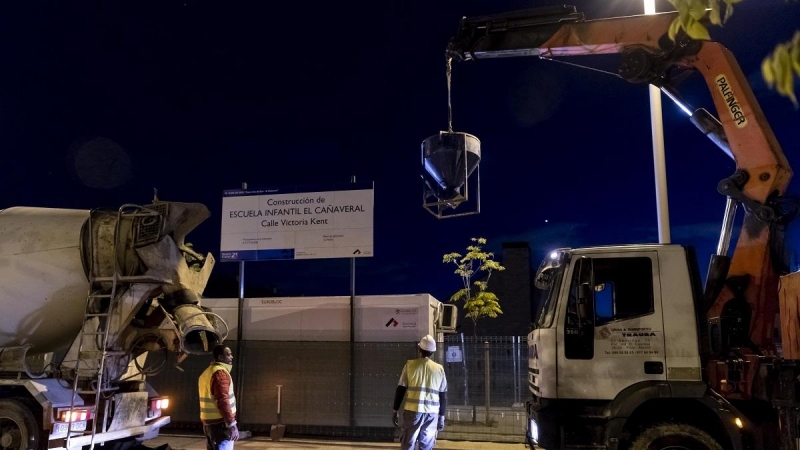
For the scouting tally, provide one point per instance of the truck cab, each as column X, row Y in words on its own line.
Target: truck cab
column 616, row 345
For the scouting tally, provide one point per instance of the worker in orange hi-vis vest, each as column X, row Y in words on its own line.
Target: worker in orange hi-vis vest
column 424, row 386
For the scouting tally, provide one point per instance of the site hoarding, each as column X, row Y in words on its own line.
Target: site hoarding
column 298, row 222
column 377, row 318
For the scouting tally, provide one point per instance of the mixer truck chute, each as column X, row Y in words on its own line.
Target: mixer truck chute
column 86, row 296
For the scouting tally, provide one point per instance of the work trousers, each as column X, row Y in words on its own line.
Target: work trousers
column 418, row 427
column 218, row 436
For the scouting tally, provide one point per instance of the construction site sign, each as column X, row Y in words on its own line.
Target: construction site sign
column 298, row 222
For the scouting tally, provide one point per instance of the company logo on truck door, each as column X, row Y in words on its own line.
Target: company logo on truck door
column 629, row 341
column 730, row 99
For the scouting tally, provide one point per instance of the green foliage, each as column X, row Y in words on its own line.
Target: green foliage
column 691, row 14
column 478, row 301
column 779, row 68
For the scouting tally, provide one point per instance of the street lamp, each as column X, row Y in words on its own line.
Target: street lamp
column 659, row 165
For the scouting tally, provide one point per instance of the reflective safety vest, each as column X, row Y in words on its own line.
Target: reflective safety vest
column 208, row 406
column 424, row 380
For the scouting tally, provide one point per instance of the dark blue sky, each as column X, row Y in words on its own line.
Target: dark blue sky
column 202, row 95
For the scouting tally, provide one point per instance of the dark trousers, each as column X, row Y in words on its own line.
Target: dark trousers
column 218, row 436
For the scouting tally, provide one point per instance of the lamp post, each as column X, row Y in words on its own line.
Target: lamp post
column 659, row 165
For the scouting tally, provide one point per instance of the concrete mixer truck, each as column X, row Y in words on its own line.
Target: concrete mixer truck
column 85, row 297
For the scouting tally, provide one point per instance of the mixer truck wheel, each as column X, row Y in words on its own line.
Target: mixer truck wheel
column 19, row 429
column 674, row 436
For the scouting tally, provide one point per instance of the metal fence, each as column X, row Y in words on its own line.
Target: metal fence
column 486, row 400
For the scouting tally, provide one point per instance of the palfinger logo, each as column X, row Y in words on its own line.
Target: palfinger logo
column 729, row 97
column 391, row 322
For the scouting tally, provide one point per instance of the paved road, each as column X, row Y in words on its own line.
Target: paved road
column 195, row 442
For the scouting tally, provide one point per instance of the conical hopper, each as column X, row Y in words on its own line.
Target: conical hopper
column 443, row 157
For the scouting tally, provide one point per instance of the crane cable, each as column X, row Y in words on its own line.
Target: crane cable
column 582, row 67
column 449, row 72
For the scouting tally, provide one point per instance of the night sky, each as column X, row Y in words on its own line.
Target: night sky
column 102, row 101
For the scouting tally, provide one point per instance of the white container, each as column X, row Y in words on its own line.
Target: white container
column 378, row 318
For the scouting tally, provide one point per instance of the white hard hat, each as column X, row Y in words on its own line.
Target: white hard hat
column 427, row 343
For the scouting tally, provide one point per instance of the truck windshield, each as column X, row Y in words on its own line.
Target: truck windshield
column 547, row 283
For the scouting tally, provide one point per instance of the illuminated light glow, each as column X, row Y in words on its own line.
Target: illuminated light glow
column 685, row 109
column 554, row 255
column 534, row 430
column 649, row 6
column 77, row 415
column 738, row 422
column 678, row 102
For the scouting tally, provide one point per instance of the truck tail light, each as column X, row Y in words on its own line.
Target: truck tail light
column 156, row 406
column 75, row 415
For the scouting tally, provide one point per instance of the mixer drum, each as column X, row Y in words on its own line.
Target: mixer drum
column 44, row 287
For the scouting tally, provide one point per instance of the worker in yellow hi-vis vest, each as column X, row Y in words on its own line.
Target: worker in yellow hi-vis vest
column 424, row 386
column 217, row 401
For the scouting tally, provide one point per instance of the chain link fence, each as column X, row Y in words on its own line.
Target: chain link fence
column 318, row 397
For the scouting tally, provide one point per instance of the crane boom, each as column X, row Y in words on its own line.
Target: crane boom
column 617, row 361
column 648, row 55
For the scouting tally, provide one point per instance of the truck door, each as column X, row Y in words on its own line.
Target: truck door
column 611, row 328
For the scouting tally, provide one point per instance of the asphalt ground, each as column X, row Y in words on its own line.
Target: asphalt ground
column 198, row 442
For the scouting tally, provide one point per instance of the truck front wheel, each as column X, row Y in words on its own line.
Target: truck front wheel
column 18, row 428
column 674, row 436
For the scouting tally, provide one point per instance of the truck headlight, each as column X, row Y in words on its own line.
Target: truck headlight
column 533, row 431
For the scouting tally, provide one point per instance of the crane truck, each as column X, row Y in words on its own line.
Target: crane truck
column 629, row 350
column 86, row 296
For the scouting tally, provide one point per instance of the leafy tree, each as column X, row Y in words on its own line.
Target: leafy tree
column 478, row 301
column 779, row 68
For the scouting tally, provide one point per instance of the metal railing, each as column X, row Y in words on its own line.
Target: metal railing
column 486, row 399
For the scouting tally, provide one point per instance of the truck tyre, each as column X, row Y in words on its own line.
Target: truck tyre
column 674, row 436
column 19, row 429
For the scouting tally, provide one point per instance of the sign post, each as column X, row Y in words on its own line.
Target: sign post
column 353, row 336
column 299, row 222
column 239, row 329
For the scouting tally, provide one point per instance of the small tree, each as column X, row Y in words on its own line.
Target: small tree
column 478, row 301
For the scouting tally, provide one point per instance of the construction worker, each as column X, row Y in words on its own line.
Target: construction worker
column 217, row 401
column 424, row 386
